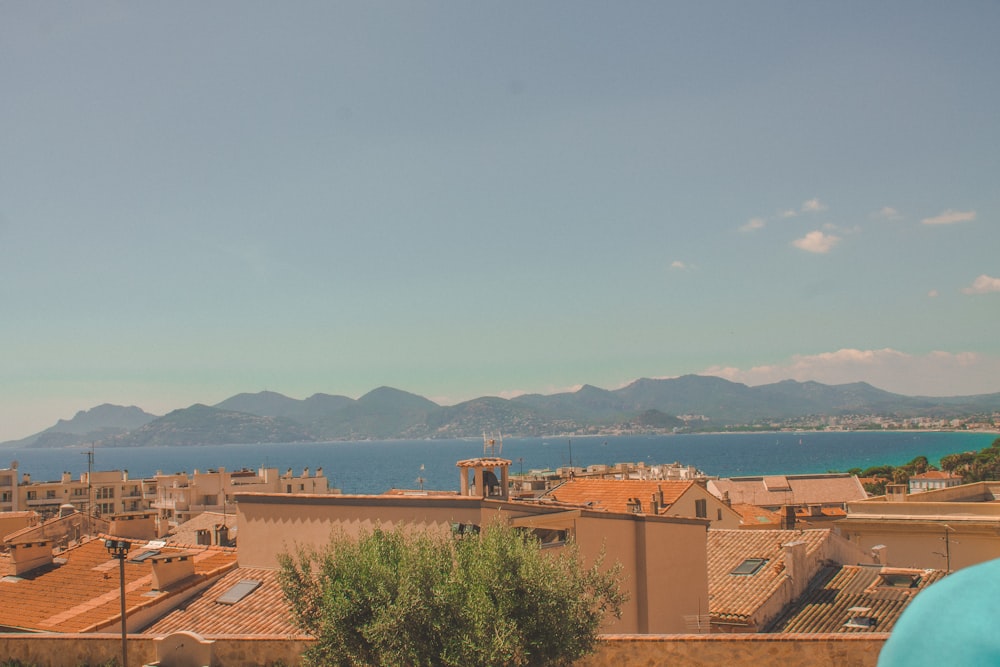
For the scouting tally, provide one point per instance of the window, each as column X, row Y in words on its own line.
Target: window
column 749, row 566
column 701, row 508
column 718, row 514
column 32, row 495
column 106, row 492
column 51, row 493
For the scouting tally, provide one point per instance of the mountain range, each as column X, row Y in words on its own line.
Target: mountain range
column 686, row 403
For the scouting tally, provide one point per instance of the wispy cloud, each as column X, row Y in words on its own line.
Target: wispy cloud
column 984, row 284
column 934, row 374
column 678, row 265
column 816, row 242
column 812, row 206
column 887, row 213
column 933, row 294
column 950, row 217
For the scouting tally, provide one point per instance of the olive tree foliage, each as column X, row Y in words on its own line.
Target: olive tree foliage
column 412, row 597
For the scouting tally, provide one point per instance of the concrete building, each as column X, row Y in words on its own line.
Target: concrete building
column 663, row 557
column 181, row 497
column 947, row 529
column 97, row 492
column 933, row 479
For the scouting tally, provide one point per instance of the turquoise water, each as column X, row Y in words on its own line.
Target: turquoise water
column 374, row 467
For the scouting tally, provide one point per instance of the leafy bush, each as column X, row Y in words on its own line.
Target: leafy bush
column 409, row 597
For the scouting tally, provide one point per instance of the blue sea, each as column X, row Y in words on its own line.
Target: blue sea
column 375, row 467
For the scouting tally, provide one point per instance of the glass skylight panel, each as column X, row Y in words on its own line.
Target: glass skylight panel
column 749, row 566
column 238, row 591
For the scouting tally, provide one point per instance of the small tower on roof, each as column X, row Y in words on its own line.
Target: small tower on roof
column 490, row 472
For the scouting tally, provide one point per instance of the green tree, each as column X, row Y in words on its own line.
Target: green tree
column 411, row 597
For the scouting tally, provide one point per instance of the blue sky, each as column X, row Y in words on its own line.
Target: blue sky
column 464, row 199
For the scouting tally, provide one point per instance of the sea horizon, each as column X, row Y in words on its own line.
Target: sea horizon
column 376, row 466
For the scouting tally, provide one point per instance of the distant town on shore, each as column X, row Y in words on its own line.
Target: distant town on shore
column 688, row 404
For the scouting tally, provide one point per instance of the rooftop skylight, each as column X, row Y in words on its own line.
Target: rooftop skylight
column 749, row 566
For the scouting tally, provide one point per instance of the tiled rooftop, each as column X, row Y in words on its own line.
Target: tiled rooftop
column 789, row 490
column 613, row 495
column 935, row 474
column 79, row 591
column 264, row 611
column 187, row 532
column 735, row 597
column 838, row 594
column 752, row 515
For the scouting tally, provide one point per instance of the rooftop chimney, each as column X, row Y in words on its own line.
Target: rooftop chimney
column 787, row 517
column 170, row 568
column 896, row 493
column 29, row 555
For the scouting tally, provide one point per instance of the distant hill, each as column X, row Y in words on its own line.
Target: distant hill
column 204, row 425
column 94, row 425
column 646, row 405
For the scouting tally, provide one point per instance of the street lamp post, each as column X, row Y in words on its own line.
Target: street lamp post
column 119, row 549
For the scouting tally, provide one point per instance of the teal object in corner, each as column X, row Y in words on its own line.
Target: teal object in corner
column 954, row 622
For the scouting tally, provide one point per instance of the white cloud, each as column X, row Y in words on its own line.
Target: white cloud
column 934, row 374
column 887, row 213
column 813, row 206
column 816, row 242
column 933, row 294
column 788, row 214
column 950, row 217
column 678, row 265
column 984, row 284
column 753, row 224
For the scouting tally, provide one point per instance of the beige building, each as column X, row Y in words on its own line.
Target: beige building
column 933, row 479
column 664, row 557
column 98, row 492
column 180, row 497
column 945, row 529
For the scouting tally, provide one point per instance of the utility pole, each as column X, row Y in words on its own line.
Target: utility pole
column 118, row 549
column 90, row 487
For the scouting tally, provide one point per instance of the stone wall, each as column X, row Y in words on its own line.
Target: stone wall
column 844, row 650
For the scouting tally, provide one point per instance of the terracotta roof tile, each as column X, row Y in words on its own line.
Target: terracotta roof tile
column 789, row 489
column 264, row 611
column 837, row 590
column 935, row 474
column 613, row 495
column 79, row 591
column 736, row 598
column 187, row 532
